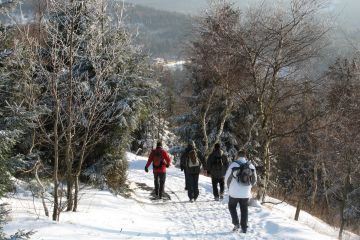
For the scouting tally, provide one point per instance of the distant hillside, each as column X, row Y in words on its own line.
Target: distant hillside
column 183, row 6
column 163, row 34
column 193, row 7
column 345, row 11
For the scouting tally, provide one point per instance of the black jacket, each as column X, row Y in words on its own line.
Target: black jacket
column 217, row 163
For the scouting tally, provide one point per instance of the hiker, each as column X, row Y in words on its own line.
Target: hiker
column 191, row 163
column 217, row 165
column 160, row 160
column 183, row 164
column 240, row 177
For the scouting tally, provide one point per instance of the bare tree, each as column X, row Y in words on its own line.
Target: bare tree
column 276, row 40
column 342, row 139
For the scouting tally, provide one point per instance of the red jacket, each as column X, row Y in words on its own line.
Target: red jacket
column 165, row 156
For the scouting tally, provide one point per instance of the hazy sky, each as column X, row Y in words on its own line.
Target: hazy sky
column 346, row 11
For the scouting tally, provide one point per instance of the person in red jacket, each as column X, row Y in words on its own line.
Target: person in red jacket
column 160, row 160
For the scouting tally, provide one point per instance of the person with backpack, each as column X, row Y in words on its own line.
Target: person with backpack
column 240, row 177
column 160, row 160
column 183, row 164
column 191, row 163
column 217, row 165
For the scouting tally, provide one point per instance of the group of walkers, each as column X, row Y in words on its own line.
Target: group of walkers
column 239, row 177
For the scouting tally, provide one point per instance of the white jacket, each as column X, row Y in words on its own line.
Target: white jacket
column 236, row 189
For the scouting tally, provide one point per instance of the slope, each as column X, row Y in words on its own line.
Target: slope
column 105, row 216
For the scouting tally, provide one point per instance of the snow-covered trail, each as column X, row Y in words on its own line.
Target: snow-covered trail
column 102, row 215
column 206, row 218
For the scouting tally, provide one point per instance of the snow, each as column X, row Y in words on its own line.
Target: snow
column 105, row 216
column 175, row 65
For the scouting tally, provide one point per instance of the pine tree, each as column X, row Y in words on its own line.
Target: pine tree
column 217, row 72
column 77, row 92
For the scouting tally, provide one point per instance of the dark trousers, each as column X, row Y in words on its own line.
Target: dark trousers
column 193, row 185
column 186, row 180
column 244, row 202
column 159, row 183
column 215, row 181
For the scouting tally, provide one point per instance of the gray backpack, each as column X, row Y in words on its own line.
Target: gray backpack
column 243, row 174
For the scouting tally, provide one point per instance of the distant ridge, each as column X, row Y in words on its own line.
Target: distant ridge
column 182, row 6
column 346, row 10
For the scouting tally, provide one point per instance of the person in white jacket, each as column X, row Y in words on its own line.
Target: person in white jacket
column 239, row 193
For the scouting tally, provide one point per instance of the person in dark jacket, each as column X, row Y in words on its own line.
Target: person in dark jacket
column 183, row 164
column 217, row 165
column 159, row 171
column 191, row 163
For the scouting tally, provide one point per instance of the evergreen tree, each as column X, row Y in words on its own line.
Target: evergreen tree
column 217, row 72
column 77, row 92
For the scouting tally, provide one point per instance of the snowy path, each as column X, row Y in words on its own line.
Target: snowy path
column 105, row 216
column 209, row 219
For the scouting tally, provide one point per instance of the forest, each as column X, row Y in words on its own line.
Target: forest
column 79, row 88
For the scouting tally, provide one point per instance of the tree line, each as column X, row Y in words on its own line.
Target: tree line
column 73, row 89
column 76, row 92
column 255, row 86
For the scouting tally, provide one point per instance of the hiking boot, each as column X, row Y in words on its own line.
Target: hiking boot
column 191, row 200
column 157, row 197
column 221, row 197
column 244, row 228
column 216, row 198
column 236, row 227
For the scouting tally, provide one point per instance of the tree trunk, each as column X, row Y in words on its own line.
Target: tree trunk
column 298, row 209
column 69, row 191
column 267, row 168
column 228, row 106
column 42, row 191
column 324, row 179
column 314, row 185
column 227, row 111
column 204, row 126
column 342, row 219
column 76, row 195
column 56, row 212
column 158, row 123
column 69, row 110
column 33, row 134
column 77, row 175
column 343, row 202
